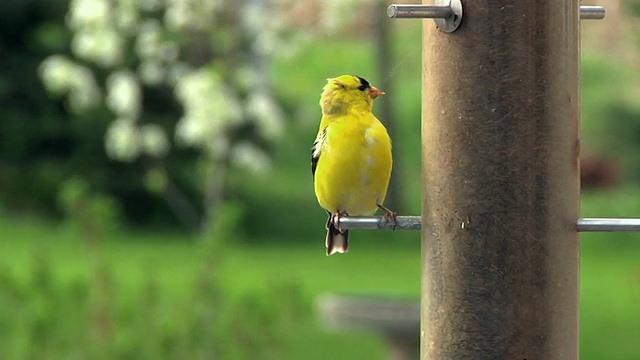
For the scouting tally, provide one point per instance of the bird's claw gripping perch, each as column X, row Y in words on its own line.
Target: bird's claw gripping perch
column 335, row 218
column 389, row 216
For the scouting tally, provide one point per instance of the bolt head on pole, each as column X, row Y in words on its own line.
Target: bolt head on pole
column 452, row 23
column 446, row 13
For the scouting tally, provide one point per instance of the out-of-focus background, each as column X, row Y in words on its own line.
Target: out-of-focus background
column 155, row 187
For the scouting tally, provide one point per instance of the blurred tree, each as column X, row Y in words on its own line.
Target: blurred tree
column 610, row 108
column 206, row 57
column 31, row 124
column 611, row 116
column 42, row 141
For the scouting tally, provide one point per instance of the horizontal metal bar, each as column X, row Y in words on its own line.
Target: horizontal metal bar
column 419, row 11
column 415, row 223
column 588, row 12
column 608, row 225
column 379, row 222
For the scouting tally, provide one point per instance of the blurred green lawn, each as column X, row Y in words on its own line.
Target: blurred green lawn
column 610, row 274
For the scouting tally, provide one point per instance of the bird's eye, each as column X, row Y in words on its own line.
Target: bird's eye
column 364, row 84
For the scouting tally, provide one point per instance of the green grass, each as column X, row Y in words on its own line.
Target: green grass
column 171, row 260
column 610, row 275
column 610, row 280
column 610, row 293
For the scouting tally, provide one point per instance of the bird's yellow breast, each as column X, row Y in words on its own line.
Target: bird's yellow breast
column 354, row 167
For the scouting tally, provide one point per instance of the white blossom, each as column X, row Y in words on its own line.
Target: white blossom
column 56, row 71
column 247, row 156
column 103, row 46
column 126, row 16
column 122, row 140
column 268, row 116
column 154, row 141
column 151, row 72
column 62, row 76
column 210, row 108
column 191, row 14
column 84, row 93
column 264, row 26
column 84, row 13
column 124, row 96
column 213, row 108
column 148, row 40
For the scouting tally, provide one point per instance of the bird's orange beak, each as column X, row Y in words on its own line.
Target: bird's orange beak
column 375, row 92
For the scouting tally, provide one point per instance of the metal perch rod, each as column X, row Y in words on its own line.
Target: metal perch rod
column 419, row 11
column 608, row 225
column 415, row 223
column 587, row 12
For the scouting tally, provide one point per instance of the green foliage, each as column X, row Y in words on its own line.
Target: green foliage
column 31, row 123
column 45, row 315
column 610, row 112
column 93, row 214
column 154, row 297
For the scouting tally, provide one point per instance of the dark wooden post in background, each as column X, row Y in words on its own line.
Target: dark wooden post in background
column 500, row 135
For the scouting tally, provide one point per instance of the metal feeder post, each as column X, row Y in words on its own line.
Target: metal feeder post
column 500, row 146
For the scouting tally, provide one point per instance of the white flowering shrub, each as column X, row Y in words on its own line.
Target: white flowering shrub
column 62, row 76
column 210, row 53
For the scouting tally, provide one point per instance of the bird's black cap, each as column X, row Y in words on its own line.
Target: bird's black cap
column 365, row 84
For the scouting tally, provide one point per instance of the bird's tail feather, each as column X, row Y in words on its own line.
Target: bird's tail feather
column 337, row 241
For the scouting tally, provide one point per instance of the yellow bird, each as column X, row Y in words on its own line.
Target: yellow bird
column 351, row 157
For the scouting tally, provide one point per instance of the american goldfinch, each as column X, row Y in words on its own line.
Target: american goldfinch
column 351, row 156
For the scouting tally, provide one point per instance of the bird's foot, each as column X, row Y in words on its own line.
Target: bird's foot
column 389, row 216
column 336, row 220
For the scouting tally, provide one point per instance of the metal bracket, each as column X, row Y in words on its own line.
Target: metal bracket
column 448, row 13
column 588, row 12
column 415, row 223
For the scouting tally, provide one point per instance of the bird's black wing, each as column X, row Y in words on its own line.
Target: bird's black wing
column 316, row 150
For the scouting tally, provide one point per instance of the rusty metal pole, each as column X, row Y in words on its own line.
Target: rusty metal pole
column 500, row 138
